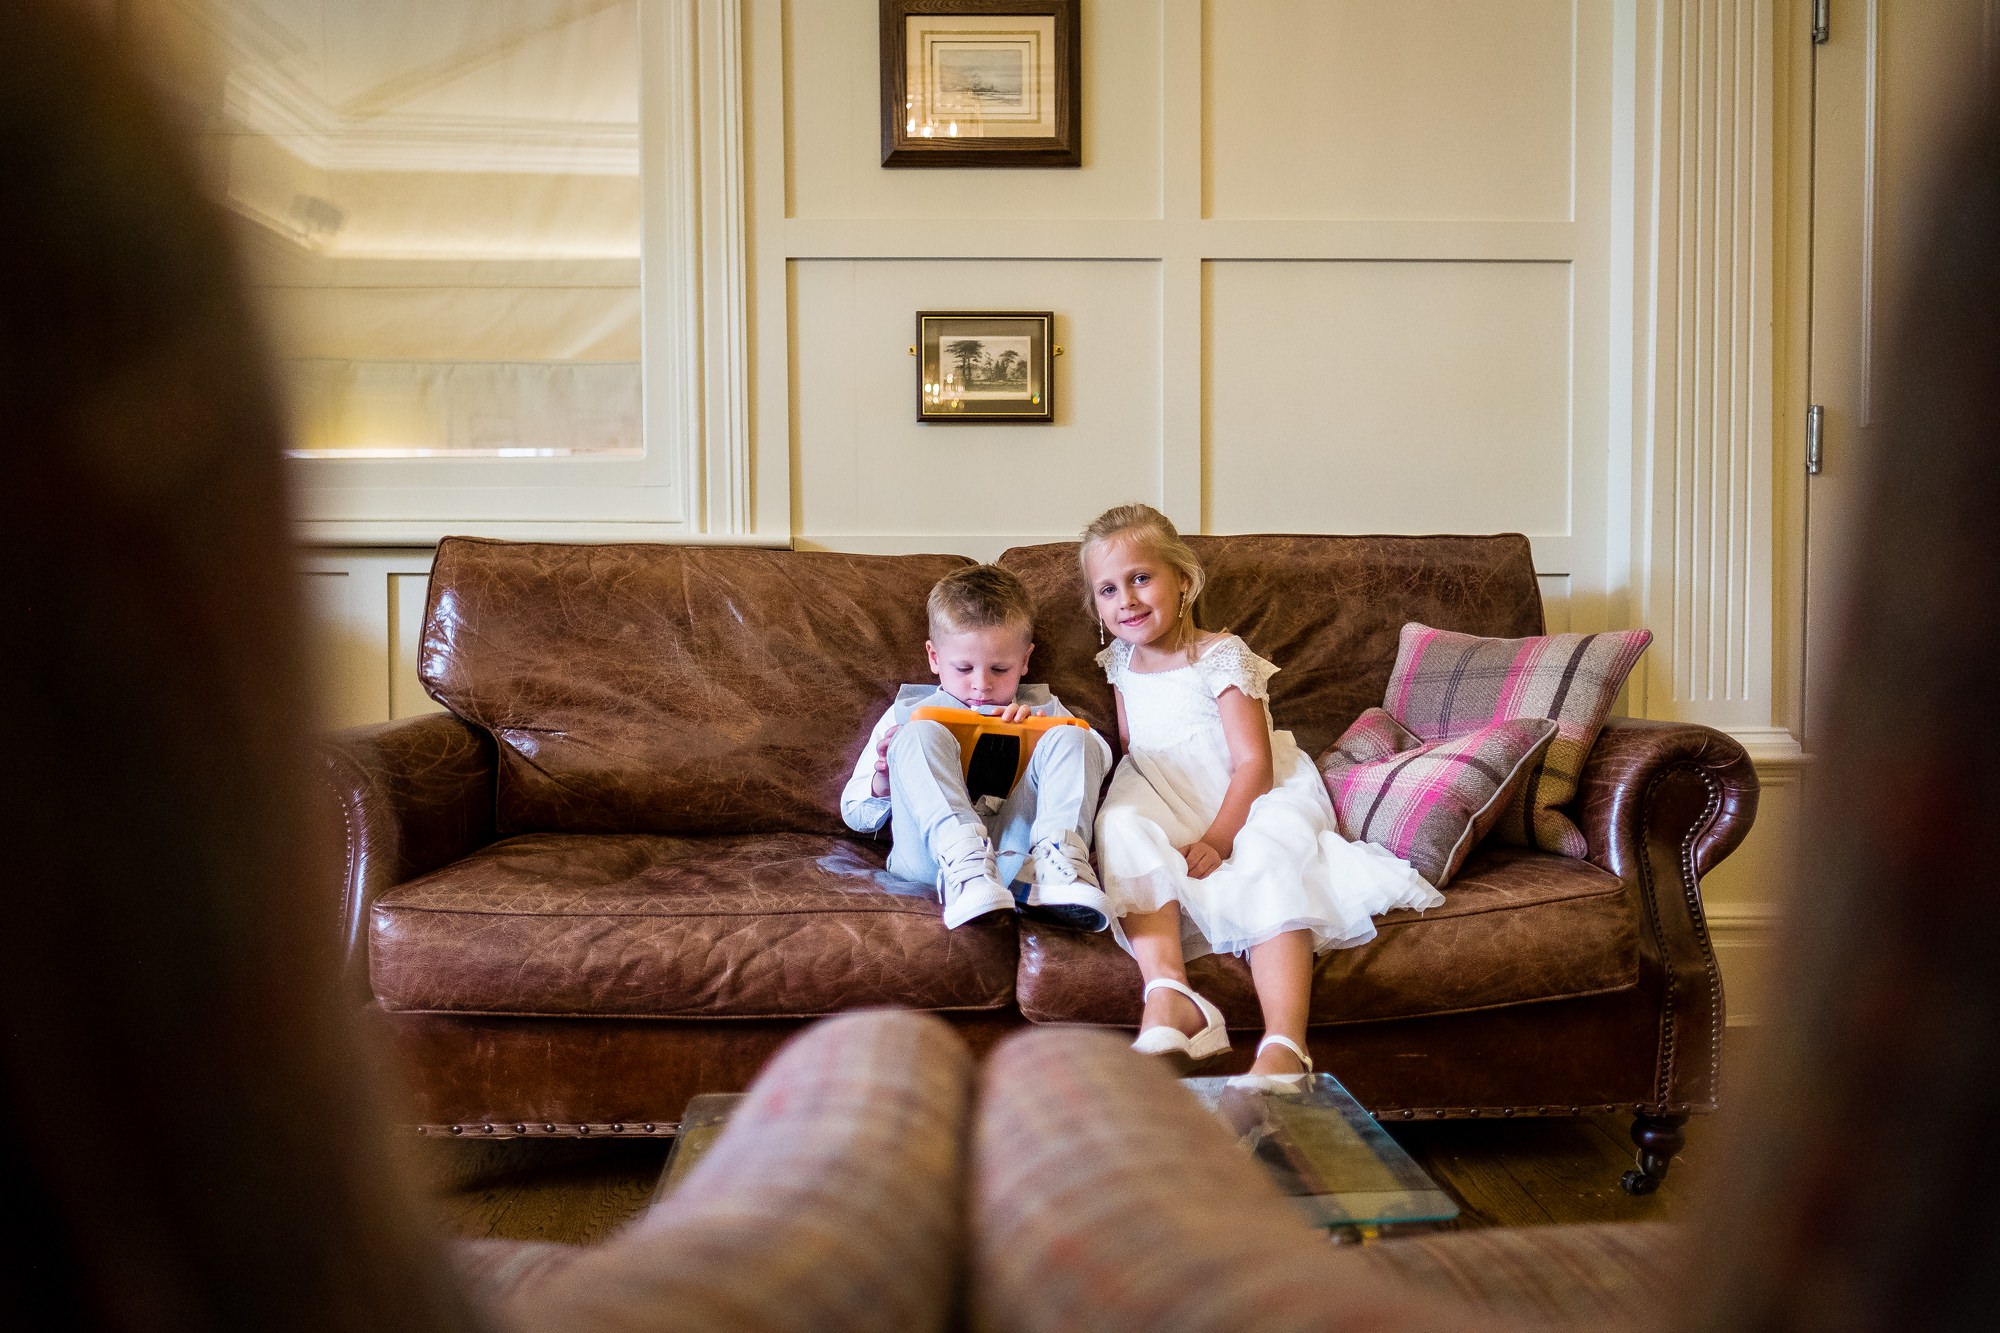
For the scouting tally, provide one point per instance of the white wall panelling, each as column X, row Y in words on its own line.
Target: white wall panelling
column 1415, row 110
column 1358, row 396
column 1360, row 247
column 366, row 611
column 870, row 477
column 723, row 442
column 1704, row 512
column 409, row 595
column 1702, row 296
column 1744, row 896
column 348, row 643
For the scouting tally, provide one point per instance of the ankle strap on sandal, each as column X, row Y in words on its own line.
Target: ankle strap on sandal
column 1168, row 983
column 1280, row 1039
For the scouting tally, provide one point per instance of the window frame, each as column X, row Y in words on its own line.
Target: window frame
column 692, row 477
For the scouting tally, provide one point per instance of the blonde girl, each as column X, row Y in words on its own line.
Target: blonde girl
column 1216, row 834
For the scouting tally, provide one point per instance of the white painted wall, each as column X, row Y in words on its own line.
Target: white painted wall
column 1329, row 265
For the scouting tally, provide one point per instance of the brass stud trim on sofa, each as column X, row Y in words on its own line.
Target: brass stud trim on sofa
column 526, row 1129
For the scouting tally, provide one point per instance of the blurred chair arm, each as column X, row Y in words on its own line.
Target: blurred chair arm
column 834, row 1200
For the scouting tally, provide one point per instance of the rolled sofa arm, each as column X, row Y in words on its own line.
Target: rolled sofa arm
column 1660, row 804
column 1674, row 784
column 410, row 795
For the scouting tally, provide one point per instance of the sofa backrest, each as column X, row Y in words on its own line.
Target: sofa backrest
column 672, row 689
column 1327, row 610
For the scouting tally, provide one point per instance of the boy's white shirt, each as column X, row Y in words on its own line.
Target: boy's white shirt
column 866, row 812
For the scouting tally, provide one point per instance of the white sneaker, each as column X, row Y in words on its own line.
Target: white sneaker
column 968, row 882
column 1066, row 888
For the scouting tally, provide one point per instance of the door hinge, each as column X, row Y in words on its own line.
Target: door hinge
column 1821, row 21
column 1815, row 438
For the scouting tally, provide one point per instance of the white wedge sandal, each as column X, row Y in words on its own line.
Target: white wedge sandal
column 1277, row 1082
column 1164, row 1039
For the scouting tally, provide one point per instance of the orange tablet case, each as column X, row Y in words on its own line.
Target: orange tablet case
column 994, row 753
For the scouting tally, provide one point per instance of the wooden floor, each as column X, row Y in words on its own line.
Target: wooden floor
column 570, row 1190
column 1516, row 1173
column 1502, row 1172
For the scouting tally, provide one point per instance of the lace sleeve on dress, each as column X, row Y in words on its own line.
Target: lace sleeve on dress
column 1113, row 660
column 1231, row 662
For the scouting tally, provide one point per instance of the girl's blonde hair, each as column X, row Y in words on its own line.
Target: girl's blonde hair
column 1148, row 527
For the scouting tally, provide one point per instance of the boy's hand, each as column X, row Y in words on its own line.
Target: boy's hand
column 1014, row 713
column 878, row 786
column 1202, row 859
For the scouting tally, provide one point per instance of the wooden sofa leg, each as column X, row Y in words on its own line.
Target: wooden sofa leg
column 1659, row 1137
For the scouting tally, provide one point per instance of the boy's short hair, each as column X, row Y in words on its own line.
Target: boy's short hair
column 980, row 597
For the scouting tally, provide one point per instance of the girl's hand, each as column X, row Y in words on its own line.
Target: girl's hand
column 878, row 786
column 1202, row 859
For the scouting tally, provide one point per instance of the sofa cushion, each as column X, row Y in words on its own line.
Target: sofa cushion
column 1447, row 685
column 1429, row 802
column 1327, row 610
column 672, row 689
column 639, row 925
column 1516, row 926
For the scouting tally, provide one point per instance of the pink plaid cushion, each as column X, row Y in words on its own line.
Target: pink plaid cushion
column 1428, row 802
column 1448, row 685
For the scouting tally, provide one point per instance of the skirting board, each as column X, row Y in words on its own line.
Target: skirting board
column 1742, row 897
column 1745, row 939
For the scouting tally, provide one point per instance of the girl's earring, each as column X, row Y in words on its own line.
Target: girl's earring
column 1100, row 634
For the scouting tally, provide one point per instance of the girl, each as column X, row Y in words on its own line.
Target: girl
column 1216, row 834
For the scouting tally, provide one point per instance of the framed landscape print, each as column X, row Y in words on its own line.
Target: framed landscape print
column 980, row 83
column 985, row 366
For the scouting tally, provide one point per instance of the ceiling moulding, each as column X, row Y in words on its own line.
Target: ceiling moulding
column 267, row 101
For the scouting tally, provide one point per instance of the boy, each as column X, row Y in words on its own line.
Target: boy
column 910, row 773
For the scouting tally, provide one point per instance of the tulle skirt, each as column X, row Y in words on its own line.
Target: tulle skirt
column 1289, row 870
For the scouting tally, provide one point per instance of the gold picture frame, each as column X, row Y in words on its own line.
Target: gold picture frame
column 985, row 366
column 981, row 83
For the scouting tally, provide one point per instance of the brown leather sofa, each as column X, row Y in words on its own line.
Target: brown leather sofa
column 615, row 875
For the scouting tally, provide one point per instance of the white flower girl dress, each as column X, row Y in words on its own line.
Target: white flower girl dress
column 1290, row 869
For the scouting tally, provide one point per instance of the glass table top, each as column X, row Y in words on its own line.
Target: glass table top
column 1322, row 1148
column 1326, row 1152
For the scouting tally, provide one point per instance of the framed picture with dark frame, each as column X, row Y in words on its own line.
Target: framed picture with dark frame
column 981, row 83
column 985, row 366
